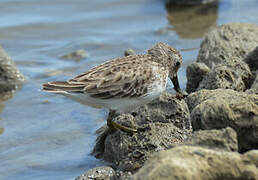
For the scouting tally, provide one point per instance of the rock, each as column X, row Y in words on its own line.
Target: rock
column 130, row 152
column 198, row 163
column 76, row 55
column 191, row 2
column 252, row 59
column 190, row 21
column 220, row 139
column 98, row 173
column 215, row 109
column 129, row 52
column 228, row 44
column 166, row 109
column 195, row 73
column 238, row 78
column 10, row 76
column 160, row 123
column 225, row 50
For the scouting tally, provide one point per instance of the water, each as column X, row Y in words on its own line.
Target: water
column 45, row 136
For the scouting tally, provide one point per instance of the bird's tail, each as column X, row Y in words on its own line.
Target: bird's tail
column 63, row 87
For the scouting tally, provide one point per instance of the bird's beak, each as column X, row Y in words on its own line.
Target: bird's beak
column 177, row 88
column 175, row 82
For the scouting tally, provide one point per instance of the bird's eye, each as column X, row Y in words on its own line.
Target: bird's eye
column 178, row 63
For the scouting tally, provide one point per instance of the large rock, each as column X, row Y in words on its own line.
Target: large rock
column 10, row 76
column 214, row 109
column 197, row 163
column 225, row 50
column 160, row 123
column 130, row 152
column 228, row 44
column 166, row 109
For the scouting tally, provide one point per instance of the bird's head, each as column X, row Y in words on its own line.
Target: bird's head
column 168, row 56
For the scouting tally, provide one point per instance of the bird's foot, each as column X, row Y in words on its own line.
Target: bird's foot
column 115, row 126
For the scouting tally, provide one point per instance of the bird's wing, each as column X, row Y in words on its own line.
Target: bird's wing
column 123, row 77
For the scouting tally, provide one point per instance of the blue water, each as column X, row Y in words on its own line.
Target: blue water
column 45, row 136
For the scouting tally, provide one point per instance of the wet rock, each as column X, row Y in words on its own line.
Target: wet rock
column 220, row 139
column 10, row 76
column 191, row 21
column 160, row 123
column 190, row 162
column 195, row 73
column 76, row 55
column 252, row 59
column 191, row 2
column 129, row 52
column 215, row 109
column 98, row 173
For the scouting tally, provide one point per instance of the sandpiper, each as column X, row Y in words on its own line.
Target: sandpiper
column 124, row 83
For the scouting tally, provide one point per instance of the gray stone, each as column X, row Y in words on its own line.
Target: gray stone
column 76, row 55
column 228, row 44
column 195, row 73
column 166, row 109
column 197, row 163
column 98, row 173
column 10, row 76
column 130, row 152
column 214, row 109
column 225, row 50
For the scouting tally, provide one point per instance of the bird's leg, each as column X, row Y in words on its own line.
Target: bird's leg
column 179, row 93
column 115, row 126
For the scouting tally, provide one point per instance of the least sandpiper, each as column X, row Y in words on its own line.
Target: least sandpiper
column 124, row 83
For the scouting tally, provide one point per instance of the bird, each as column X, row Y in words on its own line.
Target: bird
column 125, row 83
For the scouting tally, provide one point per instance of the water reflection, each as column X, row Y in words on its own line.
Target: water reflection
column 191, row 22
column 4, row 97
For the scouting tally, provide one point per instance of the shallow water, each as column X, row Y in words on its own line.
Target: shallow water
column 45, row 136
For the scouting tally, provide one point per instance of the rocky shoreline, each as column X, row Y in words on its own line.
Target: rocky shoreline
column 211, row 134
